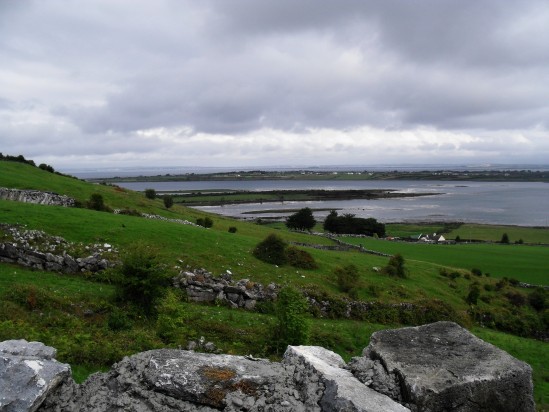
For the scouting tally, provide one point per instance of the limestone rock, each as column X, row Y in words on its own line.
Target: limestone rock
column 28, row 373
column 443, row 367
column 339, row 389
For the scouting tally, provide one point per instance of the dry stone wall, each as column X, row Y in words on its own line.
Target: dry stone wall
column 36, row 196
column 431, row 368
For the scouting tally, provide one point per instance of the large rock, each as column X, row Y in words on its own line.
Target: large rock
column 28, row 373
column 329, row 387
column 170, row 380
column 443, row 367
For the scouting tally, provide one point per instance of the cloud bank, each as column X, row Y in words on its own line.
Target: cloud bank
column 246, row 82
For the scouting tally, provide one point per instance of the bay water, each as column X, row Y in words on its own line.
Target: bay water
column 505, row 203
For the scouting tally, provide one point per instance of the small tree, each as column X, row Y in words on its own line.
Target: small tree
column 271, row 250
column 504, row 238
column 150, row 193
column 395, row 267
column 292, row 326
column 168, row 201
column 140, row 278
column 301, row 220
column 300, row 258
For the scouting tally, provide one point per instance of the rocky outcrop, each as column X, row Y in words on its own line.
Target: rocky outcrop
column 28, row 373
column 443, row 367
column 437, row 367
column 36, row 196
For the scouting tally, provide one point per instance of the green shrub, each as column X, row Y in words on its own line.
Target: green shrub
column 292, row 327
column 474, row 294
column 516, row 298
column 140, row 277
column 395, row 267
column 168, row 201
column 232, row 229
column 271, row 250
column 96, row 202
column 300, row 258
column 118, row 320
column 347, row 277
column 150, row 194
column 538, row 299
column 504, row 238
column 476, row 272
column 170, row 324
column 206, row 222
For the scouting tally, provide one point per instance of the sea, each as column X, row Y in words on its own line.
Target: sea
column 500, row 203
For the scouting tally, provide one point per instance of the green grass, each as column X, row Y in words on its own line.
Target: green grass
column 494, row 233
column 521, row 262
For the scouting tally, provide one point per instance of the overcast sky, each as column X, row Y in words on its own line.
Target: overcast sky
column 102, row 83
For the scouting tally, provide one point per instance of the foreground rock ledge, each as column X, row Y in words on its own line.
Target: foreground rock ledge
column 436, row 367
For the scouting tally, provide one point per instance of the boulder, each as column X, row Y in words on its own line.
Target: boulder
column 329, row 387
column 28, row 373
column 443, row 367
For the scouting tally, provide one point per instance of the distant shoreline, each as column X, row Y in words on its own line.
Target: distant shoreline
column 350, row 175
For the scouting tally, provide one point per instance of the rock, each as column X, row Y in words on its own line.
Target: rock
column 342, row 391
column 28, row 373
column 443, row 367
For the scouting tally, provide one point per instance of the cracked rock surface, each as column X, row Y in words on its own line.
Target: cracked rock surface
column 443, row 367
column 28, row 373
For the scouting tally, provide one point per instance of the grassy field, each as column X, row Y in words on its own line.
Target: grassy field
column 521, row 262
column 72, row 313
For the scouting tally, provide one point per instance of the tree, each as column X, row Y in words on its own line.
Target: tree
column 350, row 224
column 271, row 250
column 140, row 277
column 504, row 238
column 303, row 219
column 168, row 201
column 292, row 326
column 150, row 193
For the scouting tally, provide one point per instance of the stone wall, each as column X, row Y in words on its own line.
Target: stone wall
column 37, row 250
column 431, row 368
column 35, row 196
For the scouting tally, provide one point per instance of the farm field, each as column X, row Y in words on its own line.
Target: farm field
column 522, row 262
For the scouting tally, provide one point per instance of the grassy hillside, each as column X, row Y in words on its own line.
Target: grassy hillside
column 78, row 315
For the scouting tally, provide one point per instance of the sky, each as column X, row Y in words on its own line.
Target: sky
column 243, row 83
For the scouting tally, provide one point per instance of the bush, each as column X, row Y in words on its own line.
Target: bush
column 350, row 224
column 538, row 299
column 96, row 202
column 395, row 267
column 301, row 220
column 516, row 298
column 168, row 201
column 474, row 294
column 476, row 272
column 300, row 258
column 292, row 327
column 118, row 320
column 46, row 167
column 504, row 238
column 150, row 194
column 204, row 222
column 347, row 277
column 170, row 323
column 232, row 229
column 271, row 250
column 140, row 278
